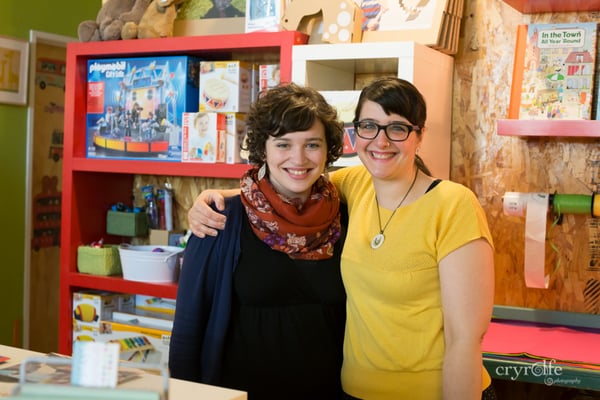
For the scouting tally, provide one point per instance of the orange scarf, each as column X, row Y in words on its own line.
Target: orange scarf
column 305, row 231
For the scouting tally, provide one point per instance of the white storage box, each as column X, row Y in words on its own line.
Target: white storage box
column 155, row 264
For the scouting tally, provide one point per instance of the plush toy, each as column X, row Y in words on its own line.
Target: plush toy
column 111, row 18
column 157, row 21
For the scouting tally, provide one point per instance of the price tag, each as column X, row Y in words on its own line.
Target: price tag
column 95, row 364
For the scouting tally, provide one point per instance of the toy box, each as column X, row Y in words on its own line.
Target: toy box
column 255, row 91
column 90, row 307
column 345, row 102
column 154, row 304
column 236, row 132
column 134, row 106
column 263, row 15
column 203, row 137
column 225, row 86
column 269, row 76
column 138, row 343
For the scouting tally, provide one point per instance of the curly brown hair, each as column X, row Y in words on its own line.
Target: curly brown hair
column 291, row 108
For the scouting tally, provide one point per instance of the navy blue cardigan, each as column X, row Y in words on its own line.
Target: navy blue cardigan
column 204, row 298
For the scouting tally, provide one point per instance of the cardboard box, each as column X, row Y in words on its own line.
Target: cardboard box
column 154, row 304
column 162, row 237
column 146, row 319
column 269, row 76
column 263, row 16
column 134, row 106
column 138, row 343
column 197, row 19
column 236, row 133
column 225, row 86
column 255, row 91
column 90, row 307
column 203, row 137
column 345, row 102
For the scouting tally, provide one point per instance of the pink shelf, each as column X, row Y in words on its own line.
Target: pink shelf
column 563, row 128
column 540, row 6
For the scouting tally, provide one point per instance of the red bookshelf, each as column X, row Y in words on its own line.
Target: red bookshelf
column 90, row 186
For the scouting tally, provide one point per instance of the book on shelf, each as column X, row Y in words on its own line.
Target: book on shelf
column 554, row 71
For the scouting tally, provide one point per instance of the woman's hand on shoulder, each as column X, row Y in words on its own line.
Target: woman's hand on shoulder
column 202, row 219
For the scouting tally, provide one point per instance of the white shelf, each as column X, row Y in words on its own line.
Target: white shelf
column 337, row 67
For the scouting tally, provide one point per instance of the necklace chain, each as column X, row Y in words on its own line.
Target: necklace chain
column 381, row 230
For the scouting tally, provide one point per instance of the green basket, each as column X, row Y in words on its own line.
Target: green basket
column 99, row 260
column 126, row 223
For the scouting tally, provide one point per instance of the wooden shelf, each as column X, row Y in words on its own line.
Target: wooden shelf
column 558, row 128
column 541, row 6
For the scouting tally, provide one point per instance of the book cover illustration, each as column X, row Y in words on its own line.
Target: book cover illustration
column 558, row 71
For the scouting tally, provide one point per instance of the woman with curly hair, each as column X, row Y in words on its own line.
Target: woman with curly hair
column 261, row 307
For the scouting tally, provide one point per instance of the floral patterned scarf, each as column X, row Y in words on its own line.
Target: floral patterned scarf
column 304, row 231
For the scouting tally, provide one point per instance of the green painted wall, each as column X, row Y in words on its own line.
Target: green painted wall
column 17, row 18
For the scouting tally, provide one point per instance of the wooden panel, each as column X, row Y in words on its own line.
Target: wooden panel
column 493, row 164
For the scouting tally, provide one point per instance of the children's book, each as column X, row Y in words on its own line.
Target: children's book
column 557, row 66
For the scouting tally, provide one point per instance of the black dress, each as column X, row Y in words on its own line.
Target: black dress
column 287, row 325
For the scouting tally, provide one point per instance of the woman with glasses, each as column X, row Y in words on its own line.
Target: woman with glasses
column 417, row 263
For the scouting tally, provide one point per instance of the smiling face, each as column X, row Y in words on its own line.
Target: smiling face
column 296, row 160
column 386, row 160
column 202, row 124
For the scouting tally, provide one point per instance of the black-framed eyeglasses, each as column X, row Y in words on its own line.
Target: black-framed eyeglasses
column 395, row 132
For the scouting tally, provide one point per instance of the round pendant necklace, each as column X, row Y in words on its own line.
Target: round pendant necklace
column 378, row 239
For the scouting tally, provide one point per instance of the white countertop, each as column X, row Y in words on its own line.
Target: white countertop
column 178, row 389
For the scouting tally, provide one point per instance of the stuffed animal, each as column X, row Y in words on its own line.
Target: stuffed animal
column 157, row 21
column 111, row 18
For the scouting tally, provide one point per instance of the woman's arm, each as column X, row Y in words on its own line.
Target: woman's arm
column 467, row 285
column 202, row 219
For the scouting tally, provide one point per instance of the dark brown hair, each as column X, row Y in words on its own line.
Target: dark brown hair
column 291, row 108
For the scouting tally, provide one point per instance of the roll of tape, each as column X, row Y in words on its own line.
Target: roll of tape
column 515, row 203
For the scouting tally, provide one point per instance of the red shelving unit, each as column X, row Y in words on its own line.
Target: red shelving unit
column 90, row 186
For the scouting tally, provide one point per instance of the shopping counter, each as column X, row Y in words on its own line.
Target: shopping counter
column 143, row 380
column 545, row 347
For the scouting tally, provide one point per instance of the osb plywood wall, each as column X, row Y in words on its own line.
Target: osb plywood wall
column 492, row 165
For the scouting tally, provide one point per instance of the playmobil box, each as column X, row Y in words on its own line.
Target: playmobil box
column 134, row 106
column 225, row 86
column 203, row 137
